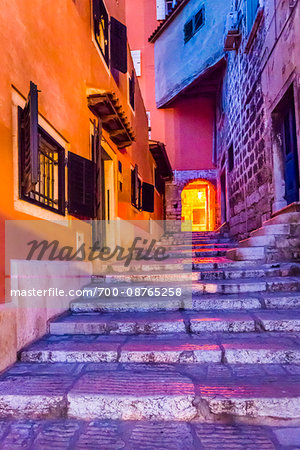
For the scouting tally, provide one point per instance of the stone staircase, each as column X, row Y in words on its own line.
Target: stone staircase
column 277, row 239
column 220, row 357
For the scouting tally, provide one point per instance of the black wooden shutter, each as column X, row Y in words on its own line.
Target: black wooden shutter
column 118, row 45
column 132, row 90
column 81, row 186
column 30, row 141
column 148, row 197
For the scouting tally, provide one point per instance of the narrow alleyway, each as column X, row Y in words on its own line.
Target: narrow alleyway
column 214, row 367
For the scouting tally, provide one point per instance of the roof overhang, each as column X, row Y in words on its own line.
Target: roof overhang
column 106, row 106
column 158, row 151
column 206, row 84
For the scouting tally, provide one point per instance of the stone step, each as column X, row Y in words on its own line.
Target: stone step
column 236, row 286
column 258, row 241
column 291, row 217
column 272, row 229
column 233, row 274
column 201, row 393
column 168, row 277
column 181, row 322
column 199, row 253
column 184, row 285
column 149, row 304
column 247, row 254
column 236, row 348
column 259, row 300
column 78, row 434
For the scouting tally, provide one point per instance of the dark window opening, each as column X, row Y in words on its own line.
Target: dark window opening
column 41, row 161
column 252, row 8
column 159, row 182
column 132, row 91
column 120, row 166
column 121, row 186
column 169, row 6
column 194, row 25
column 188, row 30
column 101, row 27
column 199, row 19
column 230, row 158
column 136, row 188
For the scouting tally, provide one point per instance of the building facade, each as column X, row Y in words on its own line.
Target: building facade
column 74, row 132
column 185, row 48
column 257, row 128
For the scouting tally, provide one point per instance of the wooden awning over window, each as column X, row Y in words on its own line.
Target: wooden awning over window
column 106, row 106
column 160, row 156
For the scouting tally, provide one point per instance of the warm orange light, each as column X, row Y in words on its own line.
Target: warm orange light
column 198, row 206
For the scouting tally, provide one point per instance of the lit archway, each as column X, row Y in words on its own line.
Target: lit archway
column 198, row 206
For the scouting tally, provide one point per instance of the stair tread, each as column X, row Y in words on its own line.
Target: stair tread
column 148, row 392
column 147, row 434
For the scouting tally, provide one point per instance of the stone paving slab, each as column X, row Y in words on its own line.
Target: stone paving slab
column 144, row 391
column 115, row 435
column 247, row 348
column 176, row 322
column 122, row 323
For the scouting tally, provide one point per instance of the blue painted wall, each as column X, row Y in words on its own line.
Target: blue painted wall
column 177, row 64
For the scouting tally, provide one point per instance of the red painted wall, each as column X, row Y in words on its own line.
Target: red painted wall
column 186, row 128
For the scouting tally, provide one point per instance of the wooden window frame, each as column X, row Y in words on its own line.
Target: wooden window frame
column 101, row 24
column 44, row 201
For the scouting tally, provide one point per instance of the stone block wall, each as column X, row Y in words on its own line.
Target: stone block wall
column 241, row 126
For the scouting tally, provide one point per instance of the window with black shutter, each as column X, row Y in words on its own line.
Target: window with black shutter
column 148, row 197
column 136, row 185
column 132, row 90
column 118, row 45
column 159, row 182
column 41, row 160
column 81, row 186
column 100, row 18
column 194, row 24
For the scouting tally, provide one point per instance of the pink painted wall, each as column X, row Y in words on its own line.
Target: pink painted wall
column 186, row 128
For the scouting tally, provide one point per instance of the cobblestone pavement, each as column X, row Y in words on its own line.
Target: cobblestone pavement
column 112, row 435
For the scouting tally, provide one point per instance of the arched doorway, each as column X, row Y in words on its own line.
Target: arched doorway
column 198, row 206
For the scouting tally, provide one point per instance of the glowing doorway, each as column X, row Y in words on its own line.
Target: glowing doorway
column 198, row 206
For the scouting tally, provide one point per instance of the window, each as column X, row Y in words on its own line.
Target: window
column 159, row 182
column 101, row 27
column 149, row 124
column 118, row 45
column 41, row 160
column 230, row 158
column 194, row 24
column 136, row 58
column 252, row 8
column 132, row 90
column 135, row 188
column 120, row 167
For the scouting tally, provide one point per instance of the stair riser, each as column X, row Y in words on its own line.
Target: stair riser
column 160, row 408
column 118, row 328
column 235, row 274
column 232, row 356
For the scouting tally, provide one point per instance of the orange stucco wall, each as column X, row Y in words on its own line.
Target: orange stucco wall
column 52, row 45
column 185, row 127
